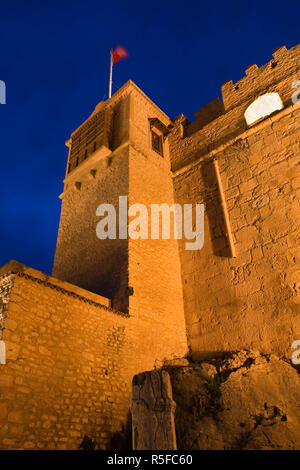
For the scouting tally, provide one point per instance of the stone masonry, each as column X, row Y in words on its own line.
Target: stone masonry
column 251, row 301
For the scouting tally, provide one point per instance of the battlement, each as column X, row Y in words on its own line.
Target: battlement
column 219, row 122
column 259, row 79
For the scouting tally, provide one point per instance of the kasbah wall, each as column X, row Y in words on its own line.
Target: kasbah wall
column 74, row 340
column 251, row 301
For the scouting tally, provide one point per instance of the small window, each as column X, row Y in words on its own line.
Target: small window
column 262, row 107
column 157, row 143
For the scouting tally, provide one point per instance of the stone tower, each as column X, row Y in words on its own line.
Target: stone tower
column 121, row 150
column 251, row 300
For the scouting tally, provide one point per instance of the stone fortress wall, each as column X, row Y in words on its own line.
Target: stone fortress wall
column 251, row 301
column 70, row 360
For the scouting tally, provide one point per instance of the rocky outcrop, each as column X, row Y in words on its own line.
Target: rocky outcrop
column 246, row 401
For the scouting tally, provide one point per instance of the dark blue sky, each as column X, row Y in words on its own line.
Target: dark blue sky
column 55, row 58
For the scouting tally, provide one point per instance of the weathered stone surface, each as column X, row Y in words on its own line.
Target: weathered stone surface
column 5, row 290
column 152, row 409
column 253, row 402
column 264, row 215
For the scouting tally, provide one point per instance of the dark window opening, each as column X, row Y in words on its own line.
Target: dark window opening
column 157, row 143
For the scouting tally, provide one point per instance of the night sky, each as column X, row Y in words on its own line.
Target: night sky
column 55, row 61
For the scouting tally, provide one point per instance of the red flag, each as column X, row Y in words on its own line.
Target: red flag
column 119, row 53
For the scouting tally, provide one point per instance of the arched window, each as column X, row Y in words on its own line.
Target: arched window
column 262, row 107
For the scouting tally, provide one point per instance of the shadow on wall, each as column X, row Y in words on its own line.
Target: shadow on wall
column 214, row 212
column 122, row 440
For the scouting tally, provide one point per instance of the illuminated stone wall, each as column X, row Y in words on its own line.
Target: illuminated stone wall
column 70, row 363
column 251, row 301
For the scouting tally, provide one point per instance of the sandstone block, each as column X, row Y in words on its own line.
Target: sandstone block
column 152, row 409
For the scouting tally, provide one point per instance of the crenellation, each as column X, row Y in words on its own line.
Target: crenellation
column 258, row 79
column 251, row 70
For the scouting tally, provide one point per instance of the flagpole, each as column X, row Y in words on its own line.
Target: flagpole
column 110, row 74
